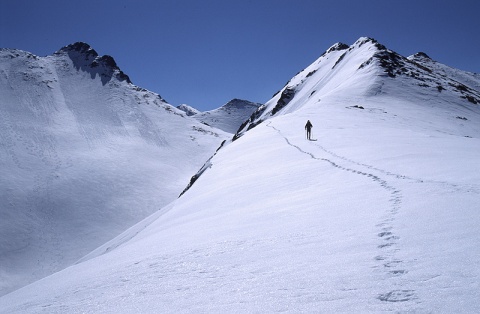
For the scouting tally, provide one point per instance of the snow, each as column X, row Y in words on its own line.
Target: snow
column 379, row 214
column 84, row 156
column 230, row 116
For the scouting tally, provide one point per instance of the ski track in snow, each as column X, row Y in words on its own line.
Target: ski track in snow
column 390, row 267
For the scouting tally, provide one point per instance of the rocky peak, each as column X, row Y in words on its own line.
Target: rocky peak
column 80, row 48
column 364, row 40
column 85, row 58
column 421, row 55
column 240, row 104
column 106, row 61
column 337, row 47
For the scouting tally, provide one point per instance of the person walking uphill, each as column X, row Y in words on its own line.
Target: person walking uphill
column 309, row 127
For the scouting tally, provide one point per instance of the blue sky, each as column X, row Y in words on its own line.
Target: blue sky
column 204, row 53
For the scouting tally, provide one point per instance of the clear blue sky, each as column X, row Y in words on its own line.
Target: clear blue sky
column 206, row 52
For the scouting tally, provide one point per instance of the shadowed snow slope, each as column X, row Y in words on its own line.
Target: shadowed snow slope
column 84, row 154
column 378, row 214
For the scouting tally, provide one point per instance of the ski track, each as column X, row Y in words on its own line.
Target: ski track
column 389, row 266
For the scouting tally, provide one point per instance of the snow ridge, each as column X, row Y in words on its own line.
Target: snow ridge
column 365, row 55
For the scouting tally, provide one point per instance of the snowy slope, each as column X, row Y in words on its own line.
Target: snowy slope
column 230, row 116
column 84, row 154
column 379, row 214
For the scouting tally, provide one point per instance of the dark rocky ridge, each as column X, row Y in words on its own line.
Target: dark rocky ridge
column 85, row 58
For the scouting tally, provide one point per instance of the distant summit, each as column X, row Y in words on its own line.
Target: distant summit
column 81, row 48
column 239, row 104
column 421, row 55
column 229, row 116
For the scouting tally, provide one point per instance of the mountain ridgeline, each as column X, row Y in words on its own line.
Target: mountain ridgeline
column 87, row 59
column 366, row 54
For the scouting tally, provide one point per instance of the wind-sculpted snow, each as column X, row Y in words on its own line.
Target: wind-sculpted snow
column 377, row 214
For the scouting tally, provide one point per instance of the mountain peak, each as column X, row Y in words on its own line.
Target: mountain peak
column 421, row 55
column 240, row 104
column 86, row 58
column 370, row 59
column 337, row 47
column 80, row 47
column 364, row 39
column 229, row 116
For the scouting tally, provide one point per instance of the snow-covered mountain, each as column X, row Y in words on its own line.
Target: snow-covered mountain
column 84, row 154
column 230, row 116
column 378, row 214
column 340, row 67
